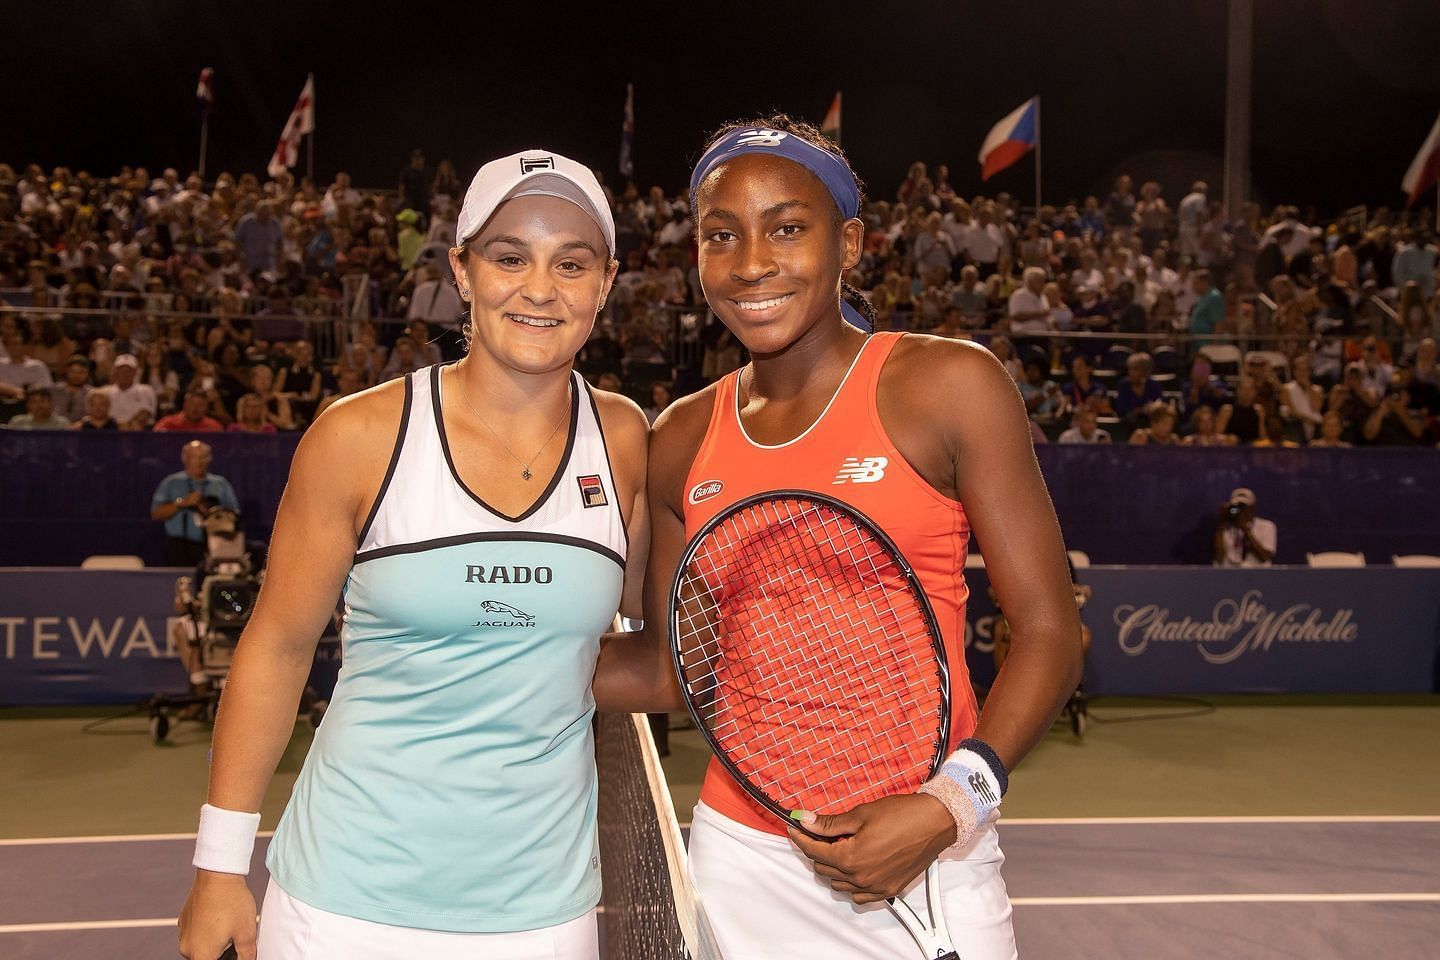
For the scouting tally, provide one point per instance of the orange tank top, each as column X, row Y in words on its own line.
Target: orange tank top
column 847, row 455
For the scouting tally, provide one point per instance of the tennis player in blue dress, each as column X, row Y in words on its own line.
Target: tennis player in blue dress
column 485, row 520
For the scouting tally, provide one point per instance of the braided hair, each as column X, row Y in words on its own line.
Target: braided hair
column 807, row 132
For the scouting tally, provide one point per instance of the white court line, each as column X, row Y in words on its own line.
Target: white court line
column 1004, row 822
column 1228, row 898
column 88, row 925
column 1016, row 901
column 109, row 924
column 1124, row 821
column 117, row 838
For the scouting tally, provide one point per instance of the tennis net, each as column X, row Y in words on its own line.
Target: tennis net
column 651, row 911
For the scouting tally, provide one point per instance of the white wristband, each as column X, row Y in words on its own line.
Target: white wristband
column 969, row 790
column 225, row 840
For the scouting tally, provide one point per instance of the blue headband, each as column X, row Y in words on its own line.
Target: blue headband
column 833, row 172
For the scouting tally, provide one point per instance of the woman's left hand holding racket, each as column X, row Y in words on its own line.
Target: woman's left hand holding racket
column 880, row 846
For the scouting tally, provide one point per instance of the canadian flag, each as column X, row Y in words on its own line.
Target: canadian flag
column 301, row 122
column 1425, row 168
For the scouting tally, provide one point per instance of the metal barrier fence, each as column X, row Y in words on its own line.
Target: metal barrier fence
column 682, row 330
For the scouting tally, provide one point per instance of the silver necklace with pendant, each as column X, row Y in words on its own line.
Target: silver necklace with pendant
column 525, row 473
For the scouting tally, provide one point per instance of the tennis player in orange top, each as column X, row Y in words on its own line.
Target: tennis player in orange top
column 927, row 437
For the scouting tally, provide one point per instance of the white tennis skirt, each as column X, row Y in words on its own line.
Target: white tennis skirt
column 765, row 900
column 292, row 930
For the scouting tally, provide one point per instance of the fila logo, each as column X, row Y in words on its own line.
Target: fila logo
column 531, row 164
column 981, row 788
column 704, row 491
column 592, row 493
column 856, row 470
column 762, row 138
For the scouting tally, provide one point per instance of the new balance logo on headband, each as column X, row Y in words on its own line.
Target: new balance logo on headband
column 762, row 138
column 855, row 470
column 531, row 164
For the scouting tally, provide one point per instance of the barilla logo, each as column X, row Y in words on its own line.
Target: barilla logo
column 704, row 491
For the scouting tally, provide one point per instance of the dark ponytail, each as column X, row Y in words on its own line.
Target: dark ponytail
column 859, row 302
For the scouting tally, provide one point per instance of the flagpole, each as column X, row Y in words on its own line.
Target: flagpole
column 204, row 138
column 1037, row 155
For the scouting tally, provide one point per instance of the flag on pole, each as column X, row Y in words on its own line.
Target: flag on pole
column 205, row 89
column 1010, row 139
column 301, row 122
column 627, row 131
column 1425, row 168
column 830, row 126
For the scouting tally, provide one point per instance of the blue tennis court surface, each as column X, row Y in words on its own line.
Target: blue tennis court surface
column 1138, row 889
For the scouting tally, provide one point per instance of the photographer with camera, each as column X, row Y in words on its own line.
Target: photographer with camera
column 1241, row 538
column 181, row 499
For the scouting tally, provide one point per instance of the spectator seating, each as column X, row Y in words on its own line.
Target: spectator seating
column 1415, row 560
column 112, row 561
column 1335, row 558
column 1167, row 359
column 1224, row 357
column 1277, row 361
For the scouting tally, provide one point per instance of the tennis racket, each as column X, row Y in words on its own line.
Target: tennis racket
column 811, row 661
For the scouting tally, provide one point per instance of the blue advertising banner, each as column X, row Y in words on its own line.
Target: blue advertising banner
column 1159, row 630
column 70, row 636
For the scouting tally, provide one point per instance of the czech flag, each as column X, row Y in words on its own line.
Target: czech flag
column 1010, row 139
column 1425, row 168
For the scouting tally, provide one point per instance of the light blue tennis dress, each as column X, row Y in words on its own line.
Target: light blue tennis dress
column 452, row 783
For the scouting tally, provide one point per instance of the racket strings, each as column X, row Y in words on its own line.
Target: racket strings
column 807, row 650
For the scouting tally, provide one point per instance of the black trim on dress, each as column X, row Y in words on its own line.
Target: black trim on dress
column 491, row 536
column 394, row 457
column 455, row 474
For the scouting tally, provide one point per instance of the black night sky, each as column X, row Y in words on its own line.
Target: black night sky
column 1344, row 90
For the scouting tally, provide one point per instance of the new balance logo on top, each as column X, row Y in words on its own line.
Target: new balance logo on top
column 856, row 470
column 531, row 164
column 762, row 138
column 981, row 788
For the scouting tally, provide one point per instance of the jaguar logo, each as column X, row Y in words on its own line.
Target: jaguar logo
column 518, row 617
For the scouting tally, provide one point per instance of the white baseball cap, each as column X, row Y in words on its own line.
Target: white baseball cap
column 533, row 173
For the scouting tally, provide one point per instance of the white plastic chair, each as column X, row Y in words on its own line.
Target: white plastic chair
column 112, row 561
column 1335, row 558
column 1415, row 560
column 1079, row 558
column 1275, row 359
column 1218, row 353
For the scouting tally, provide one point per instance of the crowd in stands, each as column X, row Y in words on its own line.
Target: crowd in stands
column 140, row 302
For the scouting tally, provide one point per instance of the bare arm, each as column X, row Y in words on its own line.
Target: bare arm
column 969, row 438
column 310, row 554
column 635, row 673
column 999, row 481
